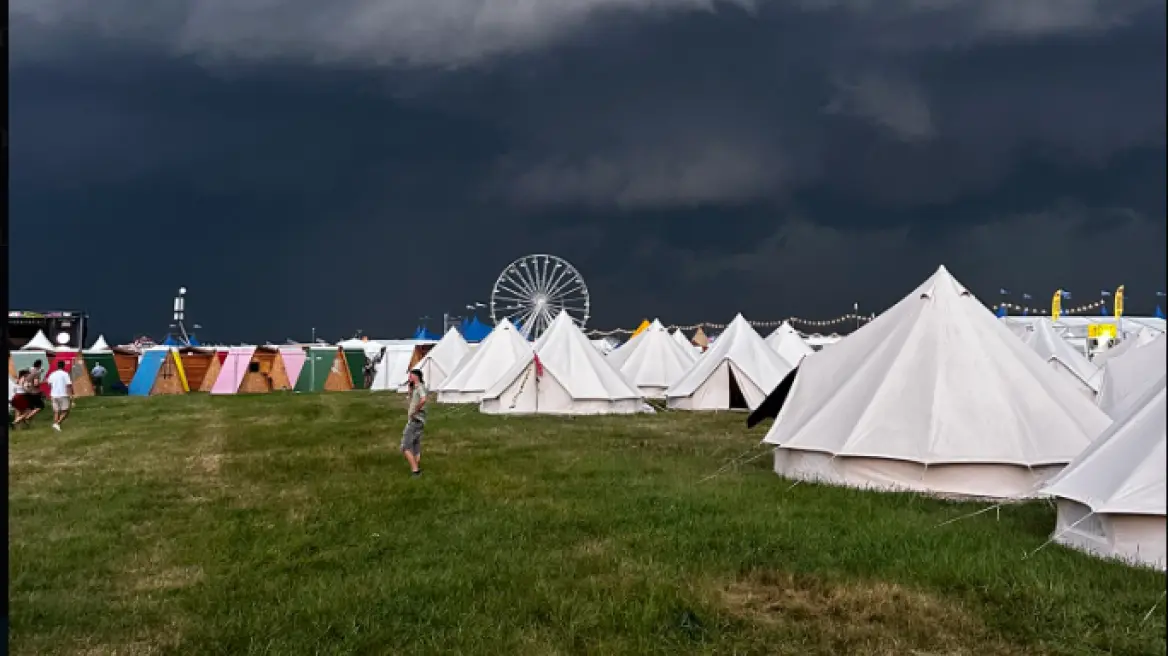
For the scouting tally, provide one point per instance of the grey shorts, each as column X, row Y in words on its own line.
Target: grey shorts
column 61, row 403
column 412, row 437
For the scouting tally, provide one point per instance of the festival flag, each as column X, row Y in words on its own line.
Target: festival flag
column 538, row 365
column 1002, row 310
column 1056, row 305
column 1119, row 302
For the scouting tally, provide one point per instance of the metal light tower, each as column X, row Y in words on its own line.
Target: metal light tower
column 180, row 304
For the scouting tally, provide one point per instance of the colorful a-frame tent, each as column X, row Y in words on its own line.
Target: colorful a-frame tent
column 18, row 360
column 355, row 361
column 101, row 353
column 325, row 369
column 213, row 369
column 700, row 340
column 252, row 370
column 159, row 372
column 196, row 364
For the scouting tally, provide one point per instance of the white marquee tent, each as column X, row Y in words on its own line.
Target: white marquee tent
column 443, row 359
column 570, row 378
column 653, row 360
column 1111, row 498
column 1142, row 338
column 736, row 372
column 790, row 346
column 1062, row 357
column 934, row 395
column 495, row 356
column 1125, row 378
column 392, row 372
column 39, row 342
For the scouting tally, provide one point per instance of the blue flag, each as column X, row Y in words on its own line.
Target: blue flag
column 1066, row 294
column 1102, row 309
column 1104, row 292
column 1003, row 291
column 1001, row 310
column 1026, row 297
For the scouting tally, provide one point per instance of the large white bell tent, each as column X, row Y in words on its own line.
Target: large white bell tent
column 653, row 360
column 495, row 356
column 736, row 373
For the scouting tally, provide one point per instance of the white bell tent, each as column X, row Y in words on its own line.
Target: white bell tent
column 653, row 360
column 563, row 375
column 1127, row 376
column 1062, row 357
column 392, row 372
column 1111, row 498
column 735, row 373
column 790, row 346
column 443, row 359
column 935, row 395
column 495, row 356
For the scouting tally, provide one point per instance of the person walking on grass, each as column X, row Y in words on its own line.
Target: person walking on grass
column 61, row 391
column 98, row 376
column 411, row 444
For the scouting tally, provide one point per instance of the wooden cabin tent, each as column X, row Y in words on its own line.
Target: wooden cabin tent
column 251, row 370
column 325, row 370
column 159, row 372
column 196, row 363
column 213, row 369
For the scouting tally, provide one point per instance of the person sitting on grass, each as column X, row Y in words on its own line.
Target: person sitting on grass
column 61, row 391
column 411, row 444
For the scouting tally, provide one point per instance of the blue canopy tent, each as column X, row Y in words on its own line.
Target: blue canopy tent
column 1159, row 312
column 474, row 330
column 422, row 334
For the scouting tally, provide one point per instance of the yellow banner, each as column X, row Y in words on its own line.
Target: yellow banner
column 1100, row 330
column 1056, row 305
column 1119, row 302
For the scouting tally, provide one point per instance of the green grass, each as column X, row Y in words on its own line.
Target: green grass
column 289, row 525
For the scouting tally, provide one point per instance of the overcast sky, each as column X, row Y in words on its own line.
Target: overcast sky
column 357, row 164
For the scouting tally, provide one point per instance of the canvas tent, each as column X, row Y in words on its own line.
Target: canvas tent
column 159, row 372
column 935, row 395
column 790, row 346
column 1062, row 357
column 443, row 359
column 653, row 360
column 563, row 375
column 1144, row 337
column 736, row 373
column 99, row 346
column 1124, row 379
column 495, row 356
column 1111, row 498
column 393, row 370
column 700, row 340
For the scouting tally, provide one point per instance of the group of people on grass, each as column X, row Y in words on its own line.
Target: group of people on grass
column 28, row 398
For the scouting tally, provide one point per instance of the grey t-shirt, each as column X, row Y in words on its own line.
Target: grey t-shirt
column 417, row 394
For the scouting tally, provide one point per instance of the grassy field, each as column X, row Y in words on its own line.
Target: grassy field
column 289, row 525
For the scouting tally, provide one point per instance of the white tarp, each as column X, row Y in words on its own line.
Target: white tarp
column 653, row 360
column 739, row 361
column 494, row 357
column 575, row 379
column 934, row 395
column 1111, row 498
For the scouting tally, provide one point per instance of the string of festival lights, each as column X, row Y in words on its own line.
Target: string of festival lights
column 844, row 319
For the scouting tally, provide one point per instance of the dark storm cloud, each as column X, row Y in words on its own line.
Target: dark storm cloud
column 692, row 157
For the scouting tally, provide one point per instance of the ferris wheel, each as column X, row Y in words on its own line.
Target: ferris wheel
column 533, row 290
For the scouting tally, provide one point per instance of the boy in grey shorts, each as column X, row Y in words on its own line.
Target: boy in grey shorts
column 411, row 444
